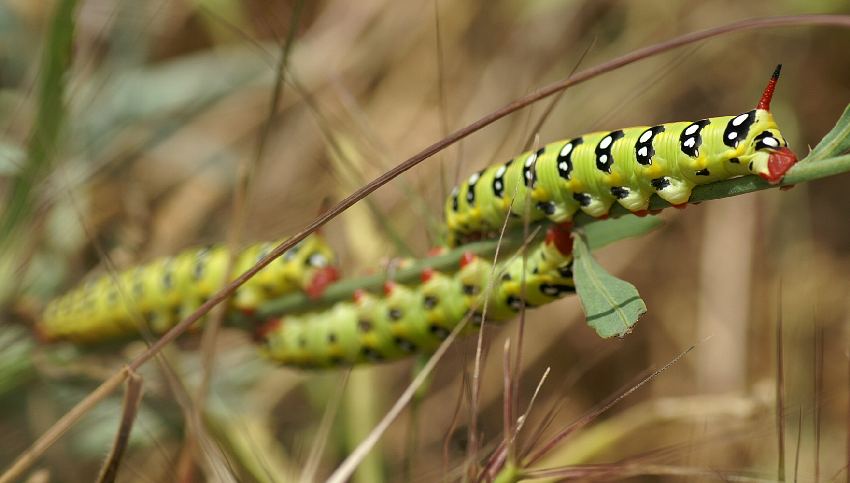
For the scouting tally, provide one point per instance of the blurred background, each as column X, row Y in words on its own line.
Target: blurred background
column 167, row 99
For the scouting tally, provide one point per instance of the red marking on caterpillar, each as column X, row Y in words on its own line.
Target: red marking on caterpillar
column 321, row 279
column 778, row 164
column 767, row 95
column 389, row 287
column 561, row 237
column 680, row 206
column 427, row 274
column 359, row 295
column 466, row 259
column 270, row 326
column 436, row 251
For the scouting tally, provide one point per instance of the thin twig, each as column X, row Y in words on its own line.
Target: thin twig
column 132, row 400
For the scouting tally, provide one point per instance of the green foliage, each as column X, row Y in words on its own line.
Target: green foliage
column 51, row 107
column 611, row 306
column 616, row 229
column 836, row 141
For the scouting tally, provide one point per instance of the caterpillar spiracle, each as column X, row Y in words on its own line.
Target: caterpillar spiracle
column 404, row 320
column 169, row 289
column 587, row 173
column 627, row 166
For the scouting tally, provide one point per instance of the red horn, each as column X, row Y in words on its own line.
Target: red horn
column 764, row 102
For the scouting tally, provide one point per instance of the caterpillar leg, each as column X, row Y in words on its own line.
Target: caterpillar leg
column 672, row 190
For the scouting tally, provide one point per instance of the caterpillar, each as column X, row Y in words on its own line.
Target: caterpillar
column 169, row 289
column 589, row 173
column 404, row 320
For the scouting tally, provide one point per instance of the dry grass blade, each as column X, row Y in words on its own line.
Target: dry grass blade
column 615, row 471
column 132, row 400
column 323, row 433
column 507, row 400
column 780, row 394
column 247, row 168
column 585, row 420
column 818, row 393
column 498, row 457
column 346, row 469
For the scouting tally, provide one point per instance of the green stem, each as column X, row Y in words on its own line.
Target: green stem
column 344, row 290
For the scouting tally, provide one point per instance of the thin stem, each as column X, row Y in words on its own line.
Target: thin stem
column 344, row 290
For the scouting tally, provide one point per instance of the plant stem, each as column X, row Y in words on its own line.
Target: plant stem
column 344, row 290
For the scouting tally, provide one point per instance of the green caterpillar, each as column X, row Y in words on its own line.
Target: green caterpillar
column 587, row 173
column 592, row 172
column 167, row 290
column 410, row 319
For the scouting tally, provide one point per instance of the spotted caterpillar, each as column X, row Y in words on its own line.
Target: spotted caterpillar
column 167, row 290
column 592, row 172
column 374, row 328
column 587, row 173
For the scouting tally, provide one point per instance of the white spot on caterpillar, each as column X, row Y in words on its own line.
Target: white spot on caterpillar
column 531, row 159
column 606, row 141
column 603, row 158
column 318, row 260
column 563, row 166
column 772, row 142
column 498, row 185
column 455, row 191
column 732, row 135
column 643, row 151
column 566, row 150
column 645, row 136
column 474, row 178
column 738, row 120
column 691, row 129
column 689, row 143
column 501, row 172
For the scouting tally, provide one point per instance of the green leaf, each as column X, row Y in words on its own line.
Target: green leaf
column 835, row 142
column 615, row 229
column 45, row 137
column 611, row 306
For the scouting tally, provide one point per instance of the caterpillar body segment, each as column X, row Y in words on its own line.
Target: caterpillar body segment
column 407, row 319
column 590, row 173
column 169, row 289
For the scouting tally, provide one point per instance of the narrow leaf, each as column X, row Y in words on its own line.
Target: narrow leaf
column 836, row 141
column 615, row 229
column 611, row 306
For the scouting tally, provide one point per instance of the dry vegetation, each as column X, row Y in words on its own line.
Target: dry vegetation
column 168, row 98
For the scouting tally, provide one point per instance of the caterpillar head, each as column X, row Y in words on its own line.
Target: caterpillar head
column 765, row 148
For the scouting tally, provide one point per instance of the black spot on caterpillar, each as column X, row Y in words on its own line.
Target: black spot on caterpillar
column 166, row 290
column 626, row 166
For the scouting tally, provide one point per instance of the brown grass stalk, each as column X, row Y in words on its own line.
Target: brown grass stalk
column 130, row 409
